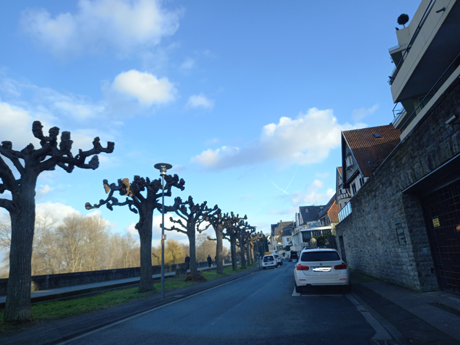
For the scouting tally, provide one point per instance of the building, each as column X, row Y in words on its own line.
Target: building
column 306, row 218
column 342, row 193
column 363, row 150
column 329, row 214
column 404, row 224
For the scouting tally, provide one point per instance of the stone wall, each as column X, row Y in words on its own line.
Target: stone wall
column 385, row 235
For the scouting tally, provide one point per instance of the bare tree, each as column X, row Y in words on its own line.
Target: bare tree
column 218, row 222
column 29, row 164
column 191, row 216
column 231, row 233
column 144, row 205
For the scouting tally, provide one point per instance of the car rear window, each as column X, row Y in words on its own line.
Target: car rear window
column 320, row 256
column 268, row 258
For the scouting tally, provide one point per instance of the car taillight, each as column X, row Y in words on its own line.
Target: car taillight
column 342, row 266
column 300, row 267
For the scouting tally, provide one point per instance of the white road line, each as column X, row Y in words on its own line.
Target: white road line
column 380, row 332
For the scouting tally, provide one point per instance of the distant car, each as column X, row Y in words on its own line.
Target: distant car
column 278, row 260
column 293, row 256
column 269, row 261
column 318, row 267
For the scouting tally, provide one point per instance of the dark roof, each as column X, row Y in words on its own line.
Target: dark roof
column 328, row 206
column 368, row 150
column 287, row 231
column 310, row 213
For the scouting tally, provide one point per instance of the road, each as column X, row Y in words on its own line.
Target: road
column 262, row 308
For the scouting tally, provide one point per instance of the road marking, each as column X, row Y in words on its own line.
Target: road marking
column 380, row 332
column 296, row 294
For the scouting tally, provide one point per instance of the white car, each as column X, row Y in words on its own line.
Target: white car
column 269, row 261
column 321, row 267
column 278, row 259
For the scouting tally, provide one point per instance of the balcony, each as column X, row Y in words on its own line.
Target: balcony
column 345, row 212
column 432, row 43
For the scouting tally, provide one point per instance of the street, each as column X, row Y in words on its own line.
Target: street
column 262, row 308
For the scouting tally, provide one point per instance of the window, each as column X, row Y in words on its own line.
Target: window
column 320, row 256
column 353, row 188
column 349, row 161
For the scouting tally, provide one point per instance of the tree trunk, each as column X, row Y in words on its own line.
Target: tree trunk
column 145, row 235
column 18, row 306
column 193, row 266
column 219, row 263
column 233, row 249
column 243, row 253
column 248, row 251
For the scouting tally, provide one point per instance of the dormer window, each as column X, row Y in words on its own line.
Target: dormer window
column 349, row 161
column 377, row 135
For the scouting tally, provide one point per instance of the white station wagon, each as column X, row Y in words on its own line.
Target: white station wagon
column 321, row 267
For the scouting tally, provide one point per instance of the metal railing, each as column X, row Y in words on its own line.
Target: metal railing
column 429, row 94
column 345, row 212
column 411, row 42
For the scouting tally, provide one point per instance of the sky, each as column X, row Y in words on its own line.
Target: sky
column 246, row 99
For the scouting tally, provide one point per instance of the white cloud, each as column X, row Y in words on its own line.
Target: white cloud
column 47, row 104
column 57, row 210
column 43, row 190
column 200, row 101
column 189, row 63
column 144, row 87
column 124, row 26
column 304, row 140
column 312, row 195
column 79, row 111
column 359, row 114
column 15, row 125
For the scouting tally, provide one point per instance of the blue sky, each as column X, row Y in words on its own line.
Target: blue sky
column 246, row 99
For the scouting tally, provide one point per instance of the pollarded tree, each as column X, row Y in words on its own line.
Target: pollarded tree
column 144, row 205
column 231, row 234
column 29, row 164
column 191, row 216
column 244, row 233
column 218, row 222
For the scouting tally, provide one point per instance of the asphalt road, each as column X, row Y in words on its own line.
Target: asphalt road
column 262, row 308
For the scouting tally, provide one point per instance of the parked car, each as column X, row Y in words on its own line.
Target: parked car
column 321, row 267
column 293, row 256
column 278, row 259
column 269, row 261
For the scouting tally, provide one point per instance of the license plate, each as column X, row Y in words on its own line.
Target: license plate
column 321, row 269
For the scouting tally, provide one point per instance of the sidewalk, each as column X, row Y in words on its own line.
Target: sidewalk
column 410, row 317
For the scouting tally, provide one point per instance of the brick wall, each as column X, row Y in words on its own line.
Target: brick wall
column 385, row 235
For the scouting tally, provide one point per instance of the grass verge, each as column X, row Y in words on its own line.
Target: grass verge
column 61, row 309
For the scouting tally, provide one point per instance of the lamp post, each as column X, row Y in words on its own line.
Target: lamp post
column 163, row 167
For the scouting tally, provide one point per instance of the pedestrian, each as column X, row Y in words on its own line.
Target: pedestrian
column 209, row 261
column 187, row 261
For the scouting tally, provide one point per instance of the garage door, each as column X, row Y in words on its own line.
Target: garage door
column 442, row 216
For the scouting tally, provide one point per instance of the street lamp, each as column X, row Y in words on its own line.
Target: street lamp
column 163, row 167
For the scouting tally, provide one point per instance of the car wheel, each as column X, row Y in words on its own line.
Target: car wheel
column 263, row 267
column 347, row 288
